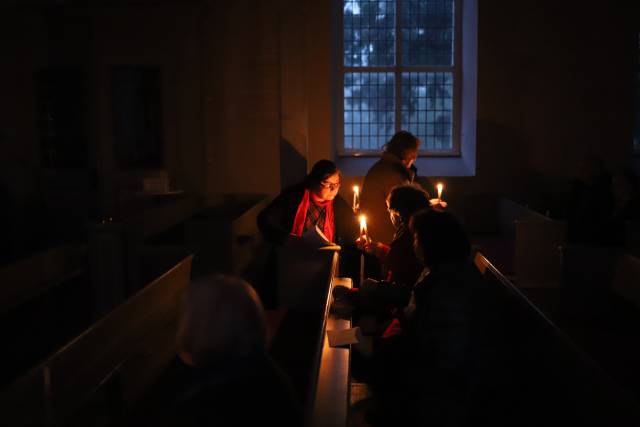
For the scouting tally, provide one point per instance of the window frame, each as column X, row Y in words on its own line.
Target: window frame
column 398, row 69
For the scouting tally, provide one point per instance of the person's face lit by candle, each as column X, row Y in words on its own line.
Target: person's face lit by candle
column 328, row 188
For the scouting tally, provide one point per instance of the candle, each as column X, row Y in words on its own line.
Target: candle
column 439, row 186
column 356, row 198
column 363, row 226
column 363, row 233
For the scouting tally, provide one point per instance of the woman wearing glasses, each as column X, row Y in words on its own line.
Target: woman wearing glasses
column 312, row 202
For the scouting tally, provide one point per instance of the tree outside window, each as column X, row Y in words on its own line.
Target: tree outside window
column 399, row 70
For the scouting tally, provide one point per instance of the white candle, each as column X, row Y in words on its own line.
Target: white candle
column 356, row 198
column 439, row 186
column 363, row 233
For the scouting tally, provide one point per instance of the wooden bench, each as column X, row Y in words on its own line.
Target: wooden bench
column 25, row 279
column 319, row 373
column 528, row 245
column 553, row 381
column 95, row 377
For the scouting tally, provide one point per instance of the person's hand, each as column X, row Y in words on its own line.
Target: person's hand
column 361, row 243
column 437, row 204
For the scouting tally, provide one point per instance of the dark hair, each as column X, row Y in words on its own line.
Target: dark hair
column 441, row 237
column 407, row 199
column 402, row 144
column 322, row 170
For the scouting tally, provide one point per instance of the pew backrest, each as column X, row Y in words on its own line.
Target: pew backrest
column 551, row 375
column 30, row 277
column 116, row 359
column 538, row 252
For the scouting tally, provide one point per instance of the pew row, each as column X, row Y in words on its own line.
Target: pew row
column 320, row 373
column 553, row 381
column 528, row 245
column 98, row 375
column 30, row 277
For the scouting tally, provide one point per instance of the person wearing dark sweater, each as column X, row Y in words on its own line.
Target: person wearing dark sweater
column 445, row 357
column 395, row 167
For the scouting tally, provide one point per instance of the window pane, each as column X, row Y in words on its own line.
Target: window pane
column 427, row 32
column 369, row 32
column 426, row 109
column 369, row 104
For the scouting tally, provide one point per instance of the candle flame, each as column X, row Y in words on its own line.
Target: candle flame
column 439, row 186
column 356, row 189
column 363, row 225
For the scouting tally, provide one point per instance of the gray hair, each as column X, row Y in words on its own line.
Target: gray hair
column 221, row 317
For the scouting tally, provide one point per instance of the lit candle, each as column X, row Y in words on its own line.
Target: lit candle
column 363, row 233
column 356, row 198
column 363, row 226
column 439, row 186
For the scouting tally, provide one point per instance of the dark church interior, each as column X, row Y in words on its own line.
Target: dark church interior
column 140, row 140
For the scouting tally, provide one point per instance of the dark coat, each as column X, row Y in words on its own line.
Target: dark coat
column 248, row 393
column 276, row 220
column 446, row 357
column 385, row 174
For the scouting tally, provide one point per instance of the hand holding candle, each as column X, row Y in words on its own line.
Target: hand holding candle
column 438, row 203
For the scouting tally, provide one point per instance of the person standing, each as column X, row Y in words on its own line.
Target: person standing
column 394, row 168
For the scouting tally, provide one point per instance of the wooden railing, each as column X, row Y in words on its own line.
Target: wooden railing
column 94, row 377
column 551, row 376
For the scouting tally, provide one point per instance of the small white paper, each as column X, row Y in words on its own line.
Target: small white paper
column 343, row 337
column 343, row 281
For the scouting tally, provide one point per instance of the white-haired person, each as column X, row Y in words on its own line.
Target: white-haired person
column 228, row 376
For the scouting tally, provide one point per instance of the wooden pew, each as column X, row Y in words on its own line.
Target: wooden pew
column 320, row 373
column 94, row 378
column 248, row 249
column 553, row 380
column 528, row 246
column 25, row 279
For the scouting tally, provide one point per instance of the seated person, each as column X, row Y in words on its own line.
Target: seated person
column 400, row 266
column 314, row 201
column 227, row 376
column 430, row 373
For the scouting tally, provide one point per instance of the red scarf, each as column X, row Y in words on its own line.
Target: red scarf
column 301, row 216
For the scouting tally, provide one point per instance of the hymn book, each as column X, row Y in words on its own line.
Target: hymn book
column 314, row 237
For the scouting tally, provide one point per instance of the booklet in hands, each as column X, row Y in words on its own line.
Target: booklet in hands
column 314, row 237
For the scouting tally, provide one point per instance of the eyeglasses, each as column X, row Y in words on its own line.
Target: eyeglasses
column 330, row 185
